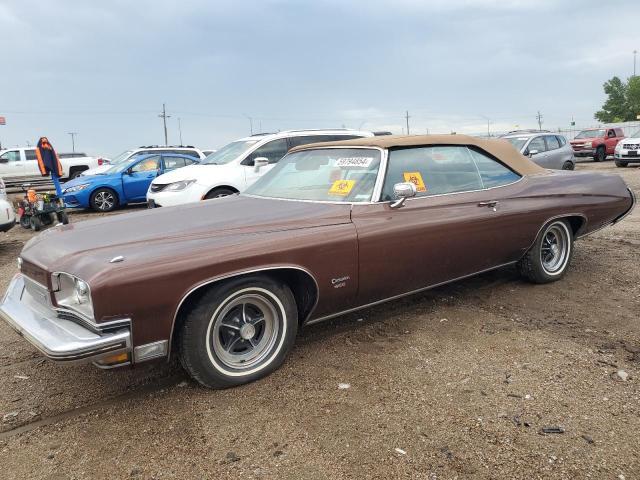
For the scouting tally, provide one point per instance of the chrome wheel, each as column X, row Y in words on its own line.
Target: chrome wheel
column 104, row 200
column 244, row 330
column 555, row 248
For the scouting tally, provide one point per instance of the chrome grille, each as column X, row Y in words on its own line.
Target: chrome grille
column 38, row 292
column 157, row 187
column 631, row 146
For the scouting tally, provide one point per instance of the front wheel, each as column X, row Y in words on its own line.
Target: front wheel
column 219, row 192
column 103, row 200
column 568, row 165
column 601, row 154
column 621, row 164
column 548, row 259
column 239, row 331
column 36, row 223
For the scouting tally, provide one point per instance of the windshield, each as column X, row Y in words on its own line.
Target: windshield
column 229, row 152
column 331, row 175
column 121, row 158
column 517, row 142
column 635, row 135
column 121, row 166
column 590, row 134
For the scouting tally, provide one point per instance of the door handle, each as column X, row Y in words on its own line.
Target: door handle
column 490, row 204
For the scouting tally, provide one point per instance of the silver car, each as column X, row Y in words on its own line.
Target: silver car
column 547, row 149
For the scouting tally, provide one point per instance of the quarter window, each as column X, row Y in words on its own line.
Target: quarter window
column 493, row 173
column 561, row 140
column 434, row 170
column 273, row 151
column 30, row 154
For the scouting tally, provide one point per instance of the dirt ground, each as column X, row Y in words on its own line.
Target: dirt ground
column 457, row 382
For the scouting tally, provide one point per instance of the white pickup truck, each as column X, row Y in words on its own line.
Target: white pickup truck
column 21, row 164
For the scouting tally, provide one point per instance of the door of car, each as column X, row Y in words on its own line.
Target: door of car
column 537, row 150
column 136, row 180
column 31, row 162
column 464, row 219
column 554, row 158
column 611, row 139
column 12, row 164
column 272, row 151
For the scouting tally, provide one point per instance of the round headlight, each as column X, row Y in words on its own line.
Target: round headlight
column 82, row 289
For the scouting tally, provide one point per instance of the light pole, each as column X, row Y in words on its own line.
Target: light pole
column 488, row 125
column 73, row 141
column 635, row 53
column 180, row 130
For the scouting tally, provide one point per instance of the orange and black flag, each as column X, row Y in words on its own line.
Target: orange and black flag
column 48, row 161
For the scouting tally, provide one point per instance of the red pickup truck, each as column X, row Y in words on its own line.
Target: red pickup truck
column 596, row 142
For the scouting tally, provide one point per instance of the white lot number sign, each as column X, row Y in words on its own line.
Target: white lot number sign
column 362, row 162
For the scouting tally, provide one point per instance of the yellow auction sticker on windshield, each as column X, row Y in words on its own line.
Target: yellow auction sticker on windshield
column 416, row 179
column 341, row 187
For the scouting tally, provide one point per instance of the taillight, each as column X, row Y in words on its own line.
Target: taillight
column 100, row 161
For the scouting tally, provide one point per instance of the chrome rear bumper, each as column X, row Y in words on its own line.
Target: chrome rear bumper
column 59, row 339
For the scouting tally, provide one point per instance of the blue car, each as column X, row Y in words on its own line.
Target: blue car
column 123, row 183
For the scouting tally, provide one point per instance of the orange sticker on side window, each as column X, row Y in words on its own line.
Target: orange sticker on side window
column 341, row 187
column 416, row 179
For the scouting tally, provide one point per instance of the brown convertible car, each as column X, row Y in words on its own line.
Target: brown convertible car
column 332, row 228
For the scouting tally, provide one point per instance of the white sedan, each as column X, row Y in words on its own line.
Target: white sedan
column 7, row 216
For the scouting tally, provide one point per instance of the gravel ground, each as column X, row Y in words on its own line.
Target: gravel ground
column 459, row 382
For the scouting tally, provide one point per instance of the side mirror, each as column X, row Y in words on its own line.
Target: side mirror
column 402, row 191
column 260, row 162
column 4, row 160
column 532, row 153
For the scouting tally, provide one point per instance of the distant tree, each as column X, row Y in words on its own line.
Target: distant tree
column 616, row 108
column 633, row 97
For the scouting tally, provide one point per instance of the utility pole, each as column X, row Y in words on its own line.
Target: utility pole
column 250, row 123
column 488, row 125
column 539, row 118
column 407, row 117
column 164, row 117
column 73, row 141
column 635, row 53
column 180, row 130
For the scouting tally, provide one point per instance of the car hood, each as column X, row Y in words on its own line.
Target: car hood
column 583, row 140
column 90, row 179
column 201, row 173
column 149, row 235
column 96, row 170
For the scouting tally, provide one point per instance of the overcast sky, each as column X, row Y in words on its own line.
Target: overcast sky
column 104, row 68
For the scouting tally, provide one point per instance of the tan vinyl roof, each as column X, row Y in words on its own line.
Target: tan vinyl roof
column 501, row 149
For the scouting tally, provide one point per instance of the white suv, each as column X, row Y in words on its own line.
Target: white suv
column 130, row 154
column 235, row 166
column 21, row 164
column 628, row 150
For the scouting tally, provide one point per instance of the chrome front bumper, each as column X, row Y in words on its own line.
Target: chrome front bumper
column 59, row 339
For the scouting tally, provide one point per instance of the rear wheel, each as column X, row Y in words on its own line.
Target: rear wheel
column 36, row 223
column 219, row 192
column 104, row 200
column 238, row 332
column 601, row 154
column 568, row 165
column 25, row 221
column 63, row 218
column 621, row 164
column 548, row 259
